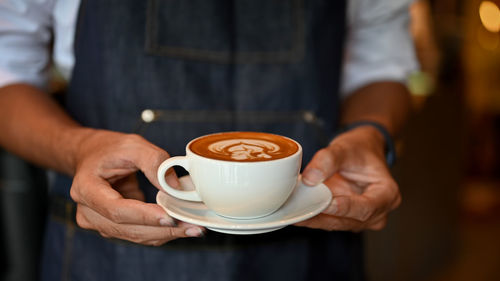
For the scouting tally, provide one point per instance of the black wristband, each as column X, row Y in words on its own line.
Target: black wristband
column 390, row 150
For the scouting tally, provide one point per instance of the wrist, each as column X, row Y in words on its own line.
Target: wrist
column 376, row 135
column 75, row 139
column 372, row 134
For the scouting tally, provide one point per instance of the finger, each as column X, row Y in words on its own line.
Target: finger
column 363, row 207
column 378, row 225
column 143, row 234
column 340, row 187
column 129, row 188
column 356, row 207
column 98, row 195
column 330, row 223
column 323, row 165
column 150, row 159
column 171, row 178
column 89, row 219
column 362, row 195
column 136, row 153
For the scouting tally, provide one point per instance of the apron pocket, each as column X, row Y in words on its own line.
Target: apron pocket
column 228, row 31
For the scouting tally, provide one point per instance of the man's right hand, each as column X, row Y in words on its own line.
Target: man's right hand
column 107, row 193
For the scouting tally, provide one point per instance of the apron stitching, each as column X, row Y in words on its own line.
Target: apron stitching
column 151, row 27
column 156, row 115
column 68, row 244
column 298, row 50
column 150, row 116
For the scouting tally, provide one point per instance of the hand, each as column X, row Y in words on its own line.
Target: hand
column 107, row 193
column 354, row 169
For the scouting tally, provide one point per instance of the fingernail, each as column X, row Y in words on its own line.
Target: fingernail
column 332, row 209
column 194, row 232
column 167, row 221
column 312, row 177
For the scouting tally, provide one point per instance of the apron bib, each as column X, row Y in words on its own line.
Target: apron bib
column 195, row 67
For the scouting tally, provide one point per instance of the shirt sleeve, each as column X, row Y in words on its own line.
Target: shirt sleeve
column 25, row 36
column 379, row 45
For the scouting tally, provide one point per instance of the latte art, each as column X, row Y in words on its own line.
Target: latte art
column 244, row 146
column 245, row 149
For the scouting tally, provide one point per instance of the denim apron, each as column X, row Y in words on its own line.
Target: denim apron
column 198, row 67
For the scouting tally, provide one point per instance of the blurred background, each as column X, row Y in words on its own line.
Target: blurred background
column 448, row 227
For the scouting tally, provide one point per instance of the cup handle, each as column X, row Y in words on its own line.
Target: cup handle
column 167, row 164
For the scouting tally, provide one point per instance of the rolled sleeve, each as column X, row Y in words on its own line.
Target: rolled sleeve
column 379, row 45
column 25, row 36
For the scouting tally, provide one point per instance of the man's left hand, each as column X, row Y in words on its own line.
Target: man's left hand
column 354, row 168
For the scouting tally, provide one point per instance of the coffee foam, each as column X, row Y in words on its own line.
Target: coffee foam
column 244, row 146
column 245, row 149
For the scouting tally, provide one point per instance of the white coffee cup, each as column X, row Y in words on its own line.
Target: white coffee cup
column 233, row 189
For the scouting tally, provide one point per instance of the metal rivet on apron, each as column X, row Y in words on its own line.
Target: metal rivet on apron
column 309, row 116
column 148, row 115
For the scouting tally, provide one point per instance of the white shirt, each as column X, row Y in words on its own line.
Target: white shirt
column 378, row 47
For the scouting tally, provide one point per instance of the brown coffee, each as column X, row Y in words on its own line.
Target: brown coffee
column 244, row 146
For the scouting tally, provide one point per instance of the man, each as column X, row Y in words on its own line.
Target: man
column 270, row 66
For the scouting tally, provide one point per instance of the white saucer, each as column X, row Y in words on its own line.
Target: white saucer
column 305, row 202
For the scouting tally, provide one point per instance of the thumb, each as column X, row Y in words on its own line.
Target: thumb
column 323, row 165
column 148, row 162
